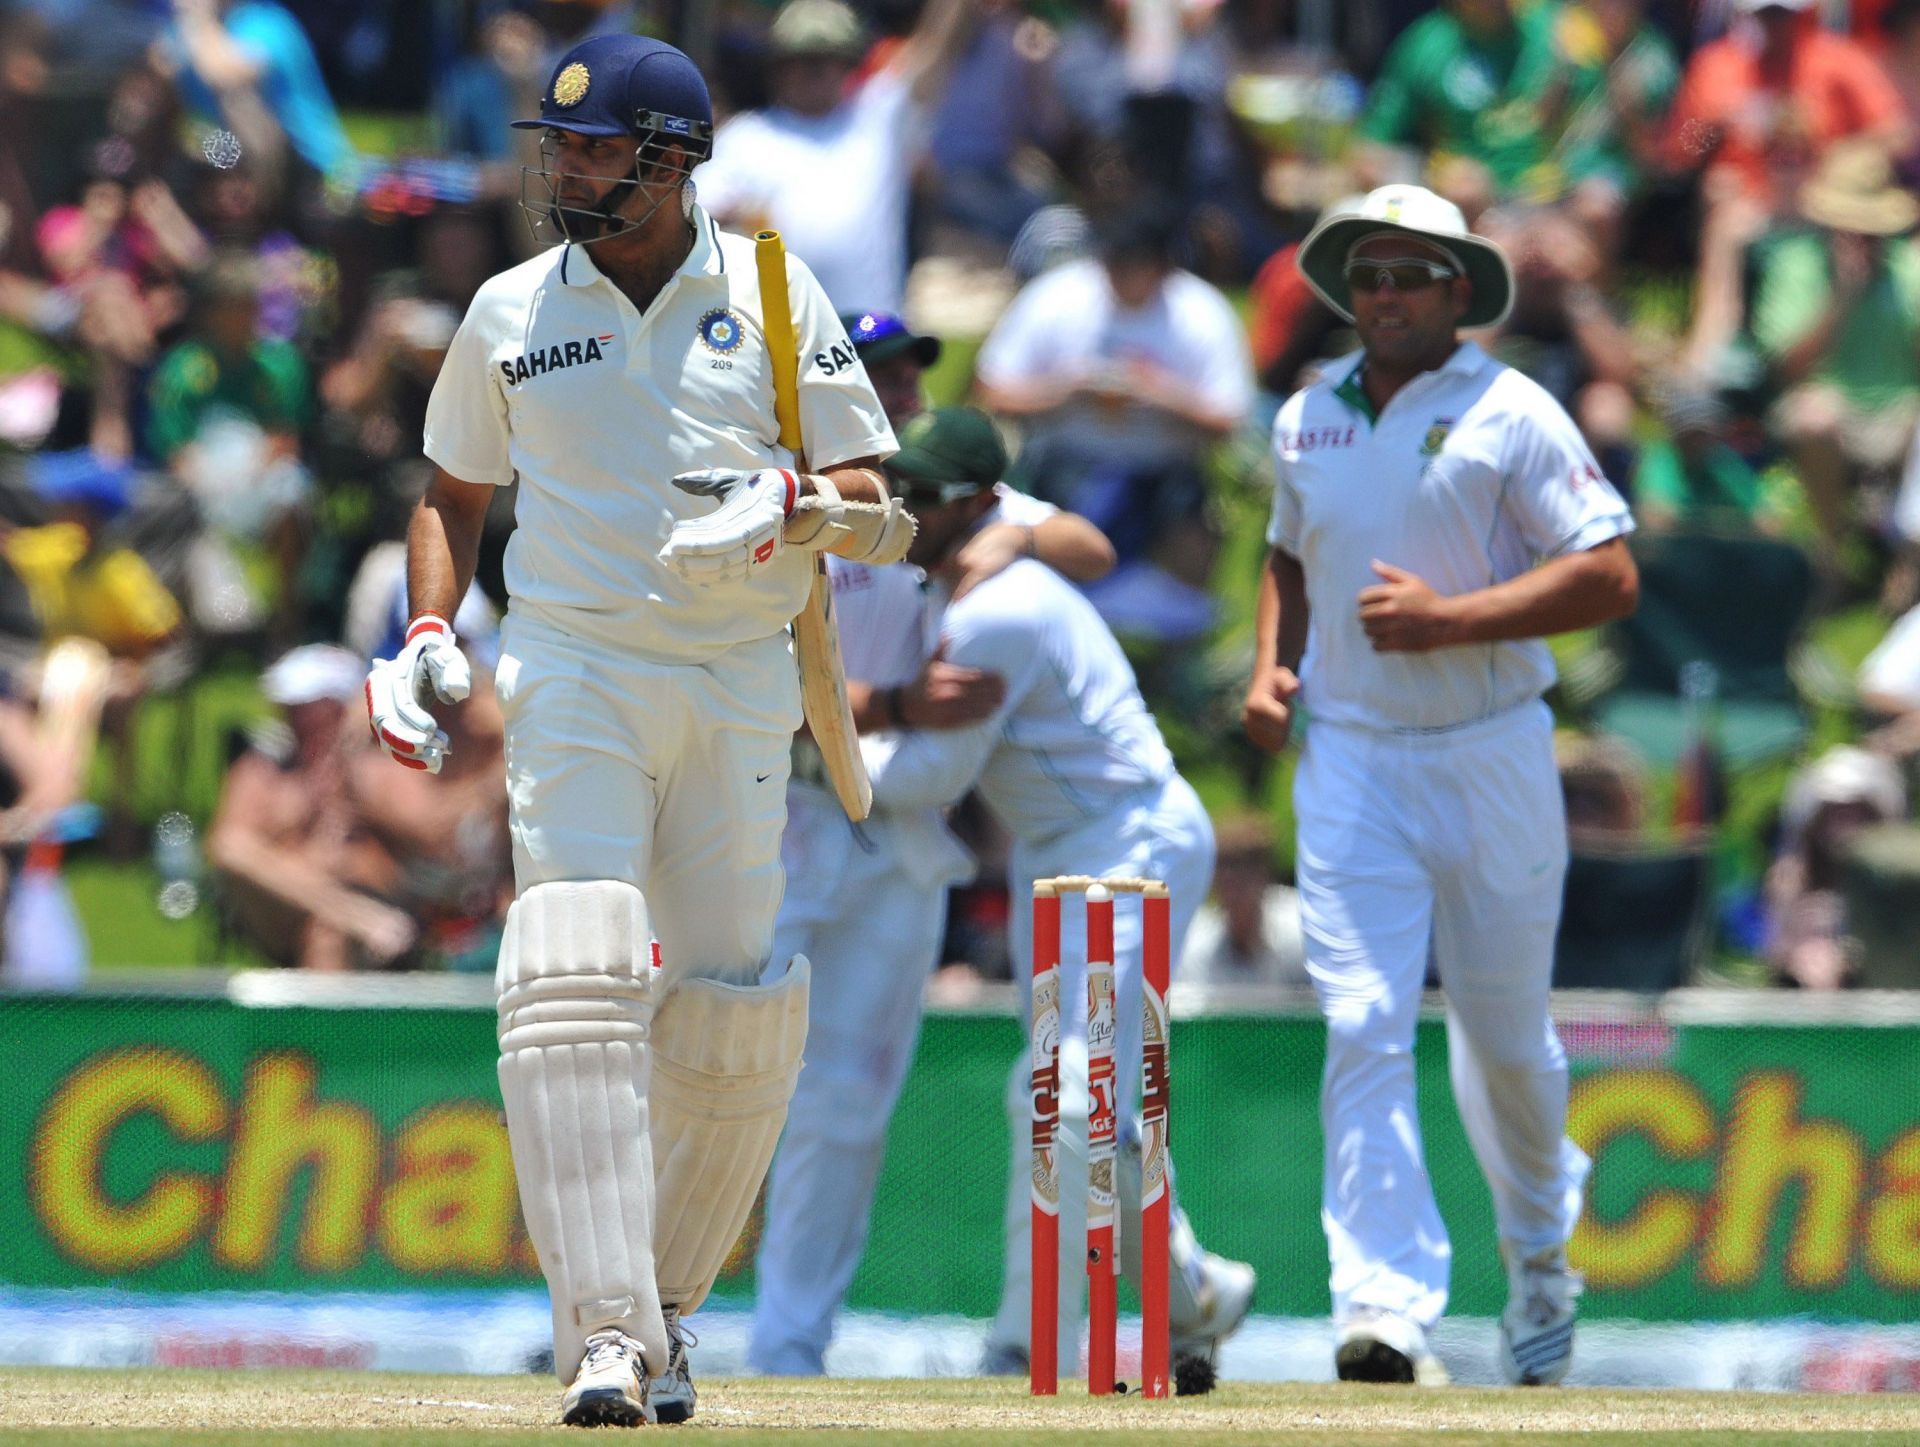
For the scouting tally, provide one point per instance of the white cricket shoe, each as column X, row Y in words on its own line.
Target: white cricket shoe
column 1382, row 1346
column 1536, row 1329
column 671, row 1393
column 610, row 1389
column 1226, row 1296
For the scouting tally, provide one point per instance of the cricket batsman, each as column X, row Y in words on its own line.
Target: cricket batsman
column 625, row 377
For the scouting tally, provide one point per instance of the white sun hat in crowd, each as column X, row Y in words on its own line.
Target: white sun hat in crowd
column 1416, row 212
column 312, row 672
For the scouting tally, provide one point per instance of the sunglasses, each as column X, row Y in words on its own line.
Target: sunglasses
column 916, row 493
column 1407, row 274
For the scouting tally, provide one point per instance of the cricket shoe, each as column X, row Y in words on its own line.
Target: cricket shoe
column 1226, row 1296
column 1381, row 1346
column 610, row 1389
column 1536, row 1329
column 671, row 1393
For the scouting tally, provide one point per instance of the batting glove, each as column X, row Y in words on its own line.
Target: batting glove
column 742, row 535
column 400, row 690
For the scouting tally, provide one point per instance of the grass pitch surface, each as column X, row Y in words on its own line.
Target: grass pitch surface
column 181, row 1407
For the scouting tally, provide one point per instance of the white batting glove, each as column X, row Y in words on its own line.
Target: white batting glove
column 742, row 535
column 399, row 691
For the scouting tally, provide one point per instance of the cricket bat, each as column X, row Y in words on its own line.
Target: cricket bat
column 816, row 637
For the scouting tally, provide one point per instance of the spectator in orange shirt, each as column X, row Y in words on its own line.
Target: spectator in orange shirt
column 1900, row 55
column 1290, row 324
column 1758, row 106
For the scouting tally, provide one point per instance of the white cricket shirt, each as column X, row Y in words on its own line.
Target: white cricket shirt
column 557, row 378
column 1893, row 668
column 1471, row 476
column 882, row 614
column 1071, row 743
column 835, row 186
column 888, row 625
column 1067, row 324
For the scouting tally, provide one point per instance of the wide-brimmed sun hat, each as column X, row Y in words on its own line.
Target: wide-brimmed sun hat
column 1415, row 212
column 1855, row 190
column 312, row 672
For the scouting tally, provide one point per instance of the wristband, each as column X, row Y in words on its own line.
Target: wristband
column 896, row 711
column 427, row 623
column 1033, row 546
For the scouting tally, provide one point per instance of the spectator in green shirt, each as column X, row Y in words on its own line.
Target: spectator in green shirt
column 225, row 369
column 1602, row 79
column 226, row 409
column 1452, row 86
column 1836, row 316
column 1694, row 479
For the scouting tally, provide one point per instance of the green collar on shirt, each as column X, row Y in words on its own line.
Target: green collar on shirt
column 1353, row 392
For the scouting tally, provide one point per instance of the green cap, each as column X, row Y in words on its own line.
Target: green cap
column 951, row 452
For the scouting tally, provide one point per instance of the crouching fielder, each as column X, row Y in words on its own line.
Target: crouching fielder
column 1073, row 766
column 1435, row 515
column 649, row 694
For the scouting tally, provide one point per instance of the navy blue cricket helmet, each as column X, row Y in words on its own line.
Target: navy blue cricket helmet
column 619, row 85
column 616, row 85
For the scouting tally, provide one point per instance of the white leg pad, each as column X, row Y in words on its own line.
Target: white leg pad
column 725, row 1061
column 576, row 1007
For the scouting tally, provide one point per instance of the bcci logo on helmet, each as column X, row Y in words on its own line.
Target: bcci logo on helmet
column 570, row 86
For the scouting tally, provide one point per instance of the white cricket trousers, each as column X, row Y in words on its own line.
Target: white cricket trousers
column 1449, row 846
column 867, row 904
column 668, row 777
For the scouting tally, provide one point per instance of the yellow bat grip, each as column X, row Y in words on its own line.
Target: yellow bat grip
column 770, row 255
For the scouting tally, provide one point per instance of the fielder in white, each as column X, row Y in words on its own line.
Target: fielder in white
column 1436, row 515
column 1072, row 764
column 650, row 696
column 868, row 902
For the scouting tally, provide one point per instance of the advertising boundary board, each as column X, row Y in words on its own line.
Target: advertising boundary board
column 1757, row 1157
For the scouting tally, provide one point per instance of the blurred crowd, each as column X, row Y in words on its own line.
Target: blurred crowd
column 236, row 237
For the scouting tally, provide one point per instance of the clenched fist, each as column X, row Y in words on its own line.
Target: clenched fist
column 1267, row 715
column 400, row 690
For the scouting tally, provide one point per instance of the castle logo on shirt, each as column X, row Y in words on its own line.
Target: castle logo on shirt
column 1315, row 439
column 722, row 331
column 556, row 358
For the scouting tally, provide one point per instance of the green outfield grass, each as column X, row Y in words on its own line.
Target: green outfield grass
column 204, row 1407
